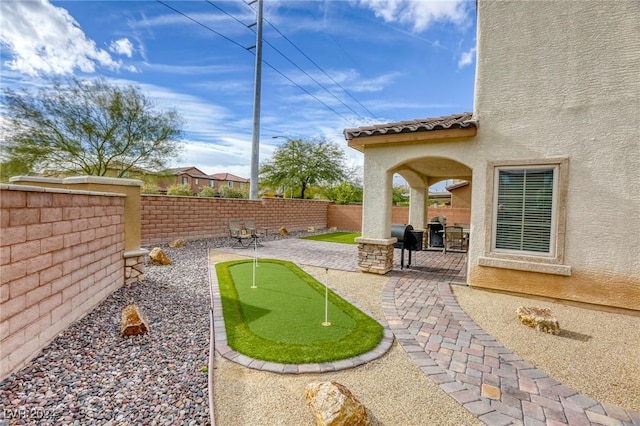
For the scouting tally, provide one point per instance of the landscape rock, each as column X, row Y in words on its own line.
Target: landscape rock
column 134, row 322
column 333, row 404
column 159, row 257
column 283, row 231
column 177, row 243
column 539, row 318
column 311, row 229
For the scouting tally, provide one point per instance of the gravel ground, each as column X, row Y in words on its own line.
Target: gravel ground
column 596, row 352
column 90, row 375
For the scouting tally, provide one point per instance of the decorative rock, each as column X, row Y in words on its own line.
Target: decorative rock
column 177, row 243
column 283, row 231
column 134, row 322
column 539, row 318
column 333, row 404
column 311, row 229
column 158, row 257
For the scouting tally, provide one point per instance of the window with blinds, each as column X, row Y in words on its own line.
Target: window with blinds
column 524, row 210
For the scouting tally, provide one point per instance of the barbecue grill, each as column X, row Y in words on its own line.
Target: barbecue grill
column 408, row 239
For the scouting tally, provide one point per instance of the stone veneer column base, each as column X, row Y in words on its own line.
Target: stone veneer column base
column 375, row 255
column 134, row 265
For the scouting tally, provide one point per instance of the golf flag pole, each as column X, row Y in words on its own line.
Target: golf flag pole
column 326, row 298
column 255, row 261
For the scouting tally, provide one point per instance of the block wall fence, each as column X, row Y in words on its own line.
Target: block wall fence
column 61, row 254
column 166, row 218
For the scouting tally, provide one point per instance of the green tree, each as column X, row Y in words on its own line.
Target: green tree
column 299, row 163
column 13, row 167
column 400, row 196
column 344, row 193
column 93, row 128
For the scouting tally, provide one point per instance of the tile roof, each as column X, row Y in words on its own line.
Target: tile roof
column 228, row 177
column 455, row 121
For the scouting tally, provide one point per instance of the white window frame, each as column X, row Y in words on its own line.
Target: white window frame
column 197, row 181
column 551, row 262
column 185, row 180
column 554, row 208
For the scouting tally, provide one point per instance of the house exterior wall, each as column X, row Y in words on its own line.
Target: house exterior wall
column 61, row 254
column 166, row 218
column 559, row 80
column 556, row 82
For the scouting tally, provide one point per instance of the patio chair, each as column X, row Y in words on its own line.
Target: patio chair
column 250, row 226
column 454, row 238
column 242, row 235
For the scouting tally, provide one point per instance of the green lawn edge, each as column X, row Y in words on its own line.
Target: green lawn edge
column 365, row 336
column 334, row 237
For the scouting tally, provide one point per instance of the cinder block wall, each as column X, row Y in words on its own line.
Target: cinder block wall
column 349, row 218
column 61, row 253
column 166, row 218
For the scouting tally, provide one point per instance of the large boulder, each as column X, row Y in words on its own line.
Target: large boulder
column 159, row 257
column 134, row 322
column 539, row 318
column 333, row 404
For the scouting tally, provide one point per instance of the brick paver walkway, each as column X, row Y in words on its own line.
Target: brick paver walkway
column 491, row 382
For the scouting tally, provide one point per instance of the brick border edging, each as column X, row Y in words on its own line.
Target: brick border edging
column 222, row 347
column 514, row 392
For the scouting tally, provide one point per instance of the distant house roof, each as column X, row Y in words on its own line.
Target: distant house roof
column 228, row 177
column 189, row 171
column 455, row 186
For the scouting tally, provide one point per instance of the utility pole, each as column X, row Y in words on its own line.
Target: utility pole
column 255, row 141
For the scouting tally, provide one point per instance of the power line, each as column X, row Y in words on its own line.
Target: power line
column 321, row 69
column 202, row 25
column 265, row 62
column 295, row 65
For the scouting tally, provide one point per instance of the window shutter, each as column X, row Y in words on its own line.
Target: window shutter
column 525, row 210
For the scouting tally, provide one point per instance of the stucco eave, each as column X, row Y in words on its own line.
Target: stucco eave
column 361, row 142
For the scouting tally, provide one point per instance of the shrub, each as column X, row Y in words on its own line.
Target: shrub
column 183, row 189
column 228, row 192
column 207, row 191
column 149, row 188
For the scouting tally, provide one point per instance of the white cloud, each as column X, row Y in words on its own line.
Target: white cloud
column 467, row 58
column 122, row 47
column 45, row 39
column 419, row 14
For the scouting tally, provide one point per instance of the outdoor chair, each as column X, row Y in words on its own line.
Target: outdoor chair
column 250, row 226
column 454, row 238
column 242, row 235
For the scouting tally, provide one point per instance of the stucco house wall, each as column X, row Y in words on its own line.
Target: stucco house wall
column 556, row 83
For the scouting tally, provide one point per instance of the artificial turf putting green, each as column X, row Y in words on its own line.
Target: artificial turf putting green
column 335, row 237
column 281, row 320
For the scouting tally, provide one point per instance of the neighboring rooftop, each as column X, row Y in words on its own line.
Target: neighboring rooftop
column 229, row 177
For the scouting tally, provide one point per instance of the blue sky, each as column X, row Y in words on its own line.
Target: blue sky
column 331, row 64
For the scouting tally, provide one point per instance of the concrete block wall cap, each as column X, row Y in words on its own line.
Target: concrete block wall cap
column 102, row 180
column 30, row 188
column 135, row 253
column 377, row 241
column 39, row 179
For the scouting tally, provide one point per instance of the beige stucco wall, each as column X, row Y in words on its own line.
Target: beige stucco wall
column 556, row 80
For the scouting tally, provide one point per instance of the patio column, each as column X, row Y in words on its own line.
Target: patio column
column 418, row 210
column 375, row 247
column 417, row 207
